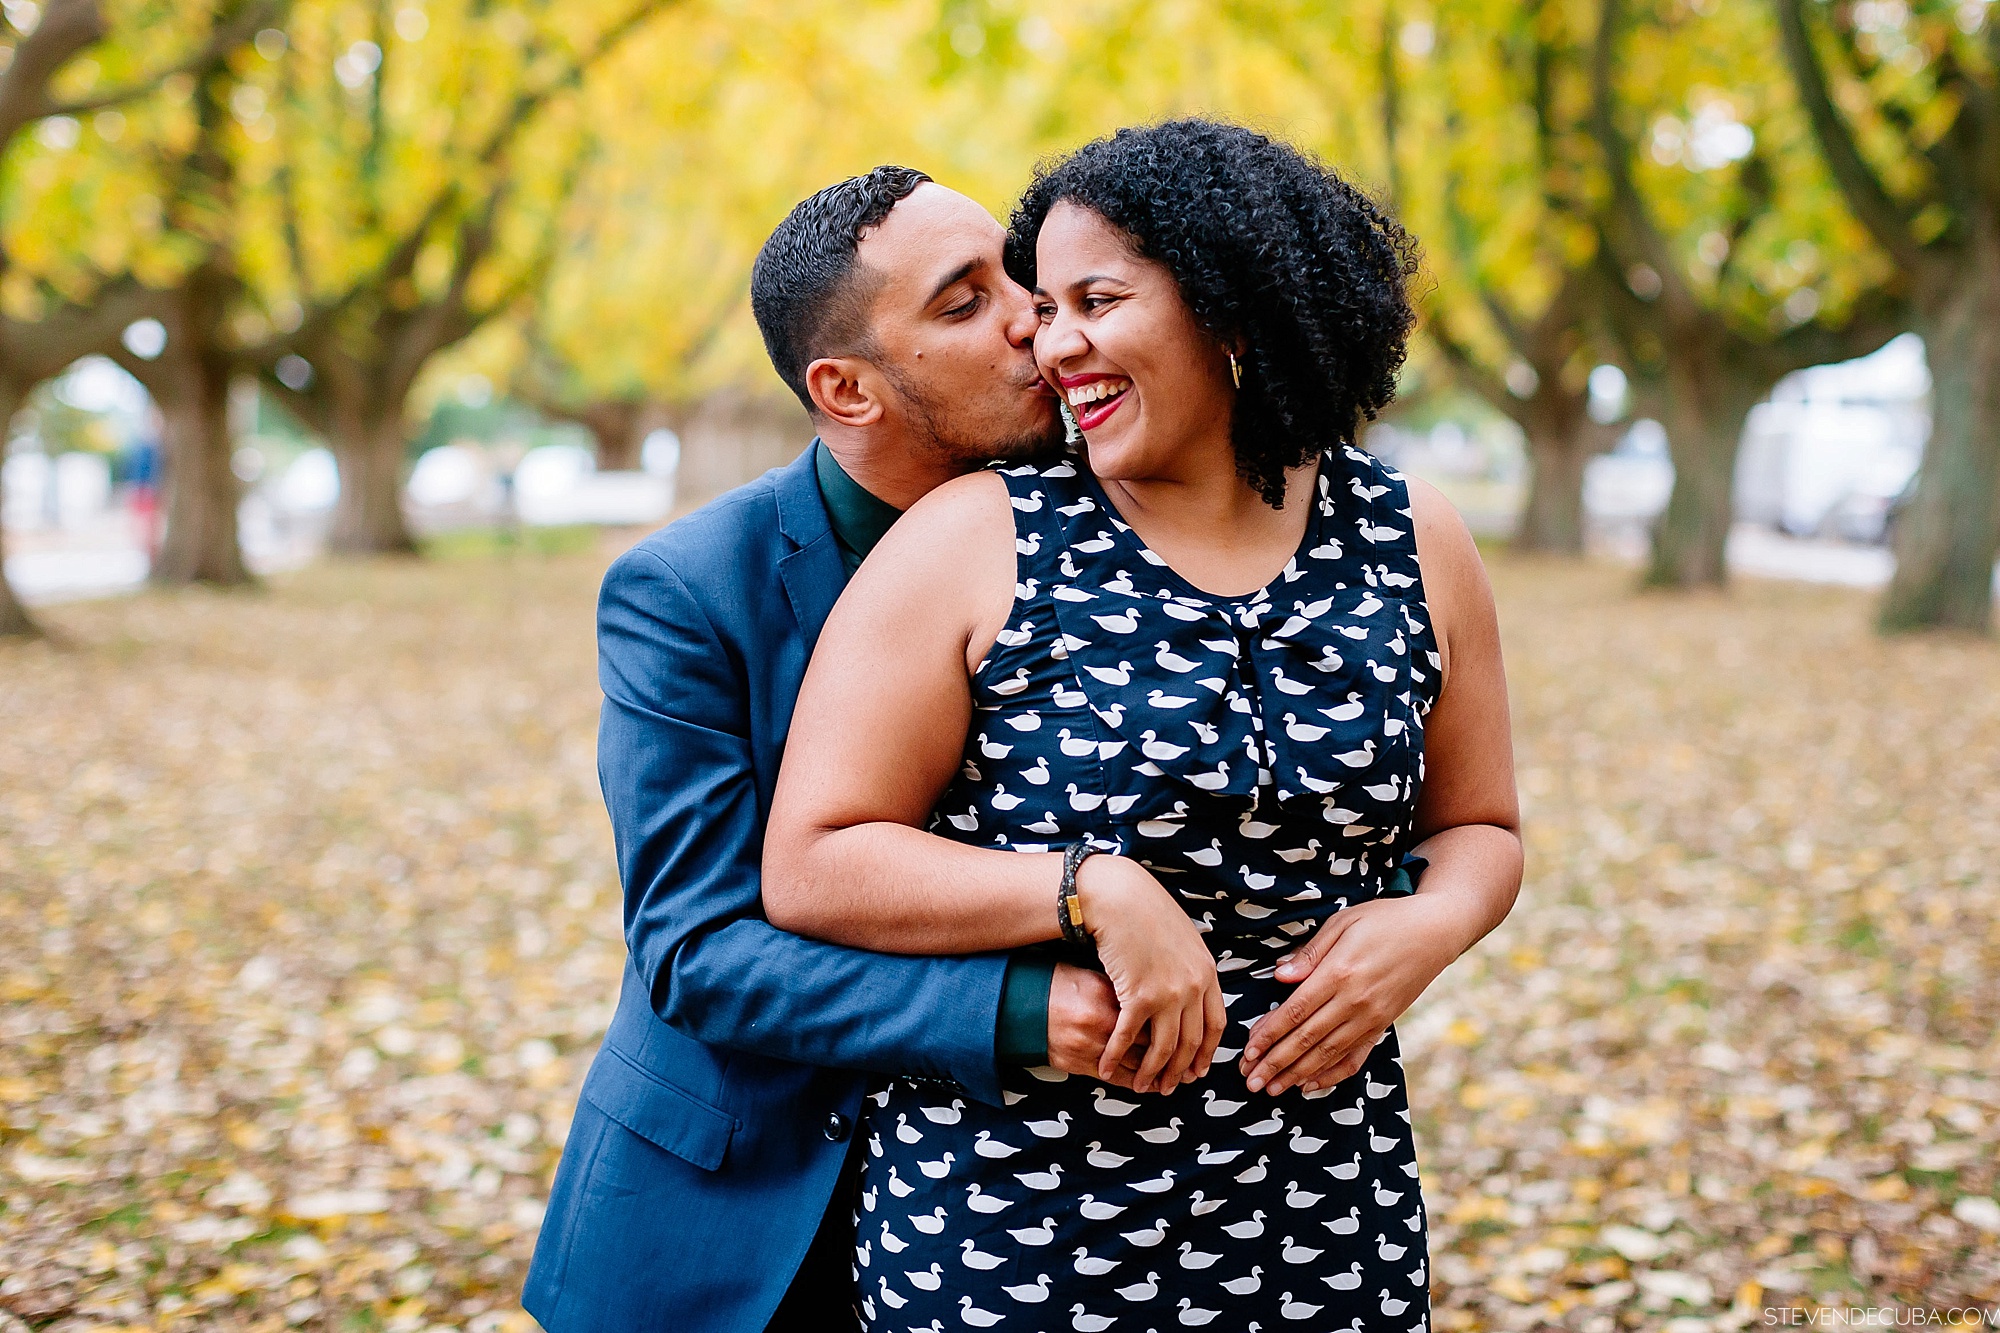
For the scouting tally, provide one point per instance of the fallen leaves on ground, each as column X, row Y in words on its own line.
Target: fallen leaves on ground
column 308, row 928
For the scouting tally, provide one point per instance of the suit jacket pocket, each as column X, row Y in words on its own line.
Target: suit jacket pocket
column 657, row 1111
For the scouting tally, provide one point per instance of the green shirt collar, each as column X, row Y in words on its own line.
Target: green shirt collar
column 859, row 519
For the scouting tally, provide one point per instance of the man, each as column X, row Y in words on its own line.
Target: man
column 706, row 1183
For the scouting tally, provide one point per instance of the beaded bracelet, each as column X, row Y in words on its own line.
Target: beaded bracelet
column 1069, row 907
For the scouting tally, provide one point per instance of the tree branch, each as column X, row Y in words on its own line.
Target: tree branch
column 223, row 39
column 36, row 350
column 402, row 256
column 1954, row 155
column 288, row 199
column 1628, row 206
column 66, row 27
column 1392, row 103
column 1466, row 369
column 1887, row 220
column 1876, row 317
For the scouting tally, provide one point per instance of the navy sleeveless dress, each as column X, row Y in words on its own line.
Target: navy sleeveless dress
column 1263, row 756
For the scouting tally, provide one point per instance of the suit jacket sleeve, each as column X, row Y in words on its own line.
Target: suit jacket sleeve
column 675, row 763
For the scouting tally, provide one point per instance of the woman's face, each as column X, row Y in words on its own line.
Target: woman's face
column 1147, row 385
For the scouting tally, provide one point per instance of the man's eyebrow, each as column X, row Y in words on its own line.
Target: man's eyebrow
column 957, row 275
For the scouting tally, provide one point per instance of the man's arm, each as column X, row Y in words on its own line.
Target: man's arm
column 675, row 763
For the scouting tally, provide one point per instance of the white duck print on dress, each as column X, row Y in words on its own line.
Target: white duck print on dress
column 971, row 1256
column 1033, row 1293
column 1141, row 1291
column 1040, row 1235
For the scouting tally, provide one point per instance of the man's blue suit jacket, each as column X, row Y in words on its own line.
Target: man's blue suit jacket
column 714, row 1120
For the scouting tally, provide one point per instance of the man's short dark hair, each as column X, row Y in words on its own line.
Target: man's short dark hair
column 804, row 289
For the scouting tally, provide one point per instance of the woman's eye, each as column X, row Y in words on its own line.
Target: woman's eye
column 1045, row 313
column 1096, row 302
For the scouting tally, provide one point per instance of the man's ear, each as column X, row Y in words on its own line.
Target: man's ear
column 846, row 389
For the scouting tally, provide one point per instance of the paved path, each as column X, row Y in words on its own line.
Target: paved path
column 62, row 575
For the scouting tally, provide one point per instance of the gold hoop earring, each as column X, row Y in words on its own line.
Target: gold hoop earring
column 1235, row 370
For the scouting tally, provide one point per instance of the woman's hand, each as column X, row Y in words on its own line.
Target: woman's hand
column 1358, row 974
column 1161, row 970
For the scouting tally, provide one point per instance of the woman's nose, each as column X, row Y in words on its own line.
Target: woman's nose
column 1059, row 340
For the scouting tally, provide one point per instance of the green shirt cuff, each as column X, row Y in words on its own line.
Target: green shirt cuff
column 1022, row 1032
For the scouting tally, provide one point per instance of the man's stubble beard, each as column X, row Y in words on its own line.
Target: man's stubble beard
column 946, row 431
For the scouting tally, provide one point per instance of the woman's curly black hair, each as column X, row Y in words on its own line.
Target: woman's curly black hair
column 1267, row 245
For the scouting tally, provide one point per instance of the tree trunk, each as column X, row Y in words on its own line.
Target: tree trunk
column 1707, row 399
column 365, row 432
column 1948, row 537
column 1561, row 442
column 368, row 520
column 201, row 542
column 15, row 622
column 190, row 384
column 620, row 430
column 618, row 426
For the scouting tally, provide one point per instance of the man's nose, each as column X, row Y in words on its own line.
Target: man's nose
column 1021, row 319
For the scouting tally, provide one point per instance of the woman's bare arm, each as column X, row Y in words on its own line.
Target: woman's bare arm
column 877, row 736
column 1368, row 964
column 878, row 733
column 1469, row 815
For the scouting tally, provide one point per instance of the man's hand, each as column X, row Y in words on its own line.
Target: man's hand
column 1083, row 1013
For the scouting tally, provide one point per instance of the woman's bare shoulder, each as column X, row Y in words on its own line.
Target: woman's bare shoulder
column 974, row 505
column 949, row 558
column 1441, row 532
column 967, row 518
column 1455, row 583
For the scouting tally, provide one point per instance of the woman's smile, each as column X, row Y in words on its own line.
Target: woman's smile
column 1093, row 398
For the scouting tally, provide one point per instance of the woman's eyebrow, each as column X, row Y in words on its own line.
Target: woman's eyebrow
column 1081, row 282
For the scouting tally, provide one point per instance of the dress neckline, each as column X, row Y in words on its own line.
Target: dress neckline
column 1124, row 531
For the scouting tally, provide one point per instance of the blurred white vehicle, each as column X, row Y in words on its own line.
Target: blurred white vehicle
column 448, row 476
column 67, row 491
column 1834, row 448
column 560, row 484
column 1630, row 485
column 311, row 485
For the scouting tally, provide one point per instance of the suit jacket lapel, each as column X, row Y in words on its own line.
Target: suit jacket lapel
column 812, row 573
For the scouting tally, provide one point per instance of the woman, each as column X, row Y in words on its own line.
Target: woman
column 1254, row 669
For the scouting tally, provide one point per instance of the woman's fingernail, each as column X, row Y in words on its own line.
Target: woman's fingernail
column 1256, row 1083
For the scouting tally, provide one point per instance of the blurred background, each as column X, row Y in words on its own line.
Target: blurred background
column 343, row 341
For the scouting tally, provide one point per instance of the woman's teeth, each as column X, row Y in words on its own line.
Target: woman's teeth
column 1095, row 390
